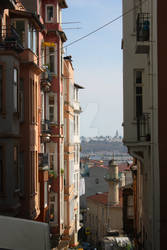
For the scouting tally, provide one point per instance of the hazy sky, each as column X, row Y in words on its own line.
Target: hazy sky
column 97, row 62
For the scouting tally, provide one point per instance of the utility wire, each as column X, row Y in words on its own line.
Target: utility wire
column 100, row 28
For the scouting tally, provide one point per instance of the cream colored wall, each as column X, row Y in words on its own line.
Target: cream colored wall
column 148, row 173
column 100, row 218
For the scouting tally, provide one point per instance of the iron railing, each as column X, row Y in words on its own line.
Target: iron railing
column 143, row 127
column 43, row 160
column 10, row 39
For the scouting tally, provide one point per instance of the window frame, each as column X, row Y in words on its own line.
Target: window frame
column 46, row 14
column 16, row 166
column 138, row 85
column 16, row 84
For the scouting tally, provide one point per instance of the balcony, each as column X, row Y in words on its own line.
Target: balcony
column 46, row 80
column 10, row 40
column 143, row 128
column 43, row 161
column 45, row 132
column 109, row 178
column 143, row 33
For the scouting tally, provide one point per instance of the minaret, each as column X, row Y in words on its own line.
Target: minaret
column 113, row 182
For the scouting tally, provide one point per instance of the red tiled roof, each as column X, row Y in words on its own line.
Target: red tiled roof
column 103, row 198
column 123, row 167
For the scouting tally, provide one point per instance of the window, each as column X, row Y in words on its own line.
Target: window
column 20, row 28
column 42, row 106
column 32, row 39
column 1, row 170
column 52, row 59
column 71, row 131
column 51, row 212
column 21, row 100
column 71, row 171
column 16, row 167
column 65, row 172
column 71, row 93
column 15, row 90
column 51, row 108
column 71, row 210
column 45, row 194
column 51, row 161
column 22, row 171
column 139, row 92
column 130, row 210
column 49, row 13
column 61, row 109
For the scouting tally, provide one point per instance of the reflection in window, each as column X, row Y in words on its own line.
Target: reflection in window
column 15, row 90
column 49, row 13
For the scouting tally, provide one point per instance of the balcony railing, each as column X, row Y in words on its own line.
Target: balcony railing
column 45, row 132
column 143, row 33
column 46, row 79
column 143, row 127
column 10, row 39
column 43, row 161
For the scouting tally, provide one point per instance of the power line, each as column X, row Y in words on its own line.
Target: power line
column 98, row 29
column 101, row 27
column 105, row 25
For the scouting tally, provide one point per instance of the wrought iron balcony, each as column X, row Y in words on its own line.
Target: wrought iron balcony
column 46, row 80
column 142, row 33
column 43, row 161
column 10, row 39
column 45, row 132
column 143, row 127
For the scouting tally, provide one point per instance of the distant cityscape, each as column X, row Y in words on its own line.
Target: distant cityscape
column 115, row 138
column 104, row 148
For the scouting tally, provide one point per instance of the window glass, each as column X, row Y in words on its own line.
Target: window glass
column 45, row 194
column 52, row 59
column 51, row 212
column 51, row 108
column 139, row 92
column 20, row 28
column 15, row 90
column 51, row 158
column 50, row 13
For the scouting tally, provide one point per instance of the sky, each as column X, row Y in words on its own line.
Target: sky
column 97, row 62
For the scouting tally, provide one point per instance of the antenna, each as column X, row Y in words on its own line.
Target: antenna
column 70, row 22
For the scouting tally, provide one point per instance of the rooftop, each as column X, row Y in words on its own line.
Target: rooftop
column 103, row 198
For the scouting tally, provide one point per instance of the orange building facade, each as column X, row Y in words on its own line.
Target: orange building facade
column 39, row 109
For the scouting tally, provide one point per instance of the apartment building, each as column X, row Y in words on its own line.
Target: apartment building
column 71, row 153
column 144, row 43
column 20, row 116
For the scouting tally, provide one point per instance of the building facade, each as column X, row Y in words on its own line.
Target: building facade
column 32, row 111
column 144, row 127
column 20, row 95
column 71, row 153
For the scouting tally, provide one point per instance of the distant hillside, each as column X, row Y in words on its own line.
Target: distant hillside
column 103, row 146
